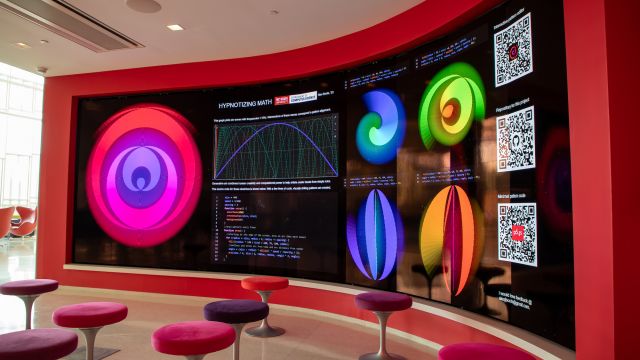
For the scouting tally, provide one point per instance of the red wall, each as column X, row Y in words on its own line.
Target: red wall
column 622, row 57
column 601, row 186
column 592, row 210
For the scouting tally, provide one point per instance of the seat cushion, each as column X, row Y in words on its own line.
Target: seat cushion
column 264, row 283
column 193, row 337
column 383, row 301
column 236, row 311
column 41, row 344
column 480, row 351
column 89, row 315
column 28, row 287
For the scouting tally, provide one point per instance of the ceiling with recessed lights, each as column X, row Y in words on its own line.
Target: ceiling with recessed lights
column 213, row 30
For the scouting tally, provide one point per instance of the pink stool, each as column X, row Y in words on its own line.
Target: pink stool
column 383, row 304
column 264, row 285
column 41, row 344
column 89, row 318
column 479, row 351
column 28, row 291
column 193, row 339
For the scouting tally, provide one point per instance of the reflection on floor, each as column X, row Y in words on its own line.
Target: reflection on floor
column 309, row 336
column 17, row 259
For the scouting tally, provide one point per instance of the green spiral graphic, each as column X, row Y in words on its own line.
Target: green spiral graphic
column 453, row 99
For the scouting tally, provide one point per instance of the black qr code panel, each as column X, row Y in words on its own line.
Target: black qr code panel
column 517, row 233
column 516, row 140
column 513, row 51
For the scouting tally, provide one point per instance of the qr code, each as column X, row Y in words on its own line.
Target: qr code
column 517, row 233
column 516, row 141
column 513, row 51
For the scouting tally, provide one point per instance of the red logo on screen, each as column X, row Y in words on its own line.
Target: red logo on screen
column 517, row 232
column 513, row 52
column 281, row 100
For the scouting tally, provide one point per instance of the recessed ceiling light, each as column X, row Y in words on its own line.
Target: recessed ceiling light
column 144, row 6
column 23, row 45
column 44, row 42
column 175, row 27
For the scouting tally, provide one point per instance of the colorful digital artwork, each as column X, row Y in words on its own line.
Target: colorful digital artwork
column 448, row 238
column 381, row 131
column 554, row 174
column 144, row 175
column 454, row 98
column 375, row 236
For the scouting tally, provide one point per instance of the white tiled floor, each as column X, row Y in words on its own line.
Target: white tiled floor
column 310, row 335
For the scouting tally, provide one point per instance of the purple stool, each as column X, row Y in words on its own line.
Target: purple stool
column 383, row 304
column 480, row 351
column 41, row 344
column 28, row 291
column 237, row 313
column 193, row 339
column 89, row 318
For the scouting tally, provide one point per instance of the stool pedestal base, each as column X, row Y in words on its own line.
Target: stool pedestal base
column 28, row 305
column 382, row 354
column 236, row 344
column 89, row 335
column 265, row 330
column 379, row 356
column 195, row 357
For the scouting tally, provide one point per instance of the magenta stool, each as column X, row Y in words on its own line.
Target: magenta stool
column 193, row 339
column 480, row 351
column 264, row 285
column 28, row 291
column 383, row 304
column 237, row 313
column 89, row 318
column 41, row 344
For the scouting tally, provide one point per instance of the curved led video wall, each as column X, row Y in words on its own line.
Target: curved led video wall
column 442, row 172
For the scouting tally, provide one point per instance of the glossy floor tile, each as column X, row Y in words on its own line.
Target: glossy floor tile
column 310, row 335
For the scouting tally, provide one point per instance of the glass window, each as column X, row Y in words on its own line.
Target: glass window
column 20, row 133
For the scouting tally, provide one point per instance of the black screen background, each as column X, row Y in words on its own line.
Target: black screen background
column 550, row 284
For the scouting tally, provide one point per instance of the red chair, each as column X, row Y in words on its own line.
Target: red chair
column 5, row 220
column 25, row 213
column 27, row 224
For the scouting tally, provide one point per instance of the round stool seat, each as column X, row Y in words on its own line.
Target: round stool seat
column 383, row 301
column 193, row 337
column 479, row 351
column 236, row 311
column 41, row 344
column 89, row 315
column 264, row 283
column 28, row 287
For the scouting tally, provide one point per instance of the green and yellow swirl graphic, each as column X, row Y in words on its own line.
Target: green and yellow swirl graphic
column 454, row 98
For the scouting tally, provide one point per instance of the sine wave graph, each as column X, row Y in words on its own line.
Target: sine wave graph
column 282, row 149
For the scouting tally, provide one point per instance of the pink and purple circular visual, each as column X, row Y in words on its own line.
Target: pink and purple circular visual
column 144, row 175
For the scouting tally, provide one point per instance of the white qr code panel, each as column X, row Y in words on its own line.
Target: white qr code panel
column 516, row 140
column 517, row 233
column 513, row 51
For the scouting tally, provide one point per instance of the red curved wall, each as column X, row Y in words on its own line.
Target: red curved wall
column 601, row 187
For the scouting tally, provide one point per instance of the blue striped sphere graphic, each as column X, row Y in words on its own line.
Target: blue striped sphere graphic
column 375, row 236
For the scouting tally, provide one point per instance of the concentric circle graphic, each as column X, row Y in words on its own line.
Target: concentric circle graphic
column 454, row 98
column 381, row 131
column 144, row 175
column 376, row 237
column 450, row 237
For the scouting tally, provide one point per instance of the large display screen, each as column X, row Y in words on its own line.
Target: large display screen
column 442, row 172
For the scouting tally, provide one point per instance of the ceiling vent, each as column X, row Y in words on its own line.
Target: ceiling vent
column 71, row 23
